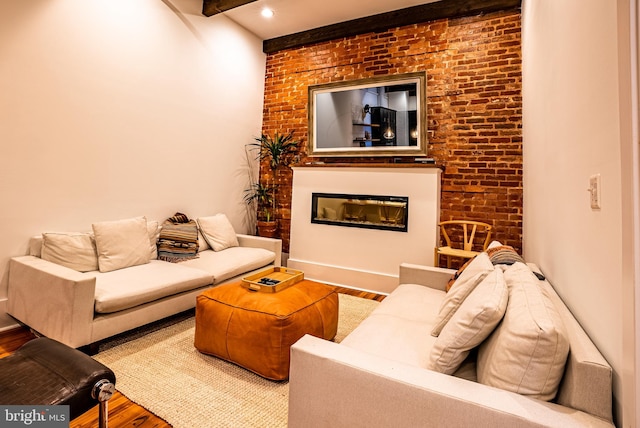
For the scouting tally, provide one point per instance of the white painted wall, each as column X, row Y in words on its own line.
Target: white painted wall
column 576, row 123
column 367, row 259
column 117, row 108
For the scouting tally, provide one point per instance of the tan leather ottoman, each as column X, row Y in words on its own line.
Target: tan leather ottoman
column 255, row 330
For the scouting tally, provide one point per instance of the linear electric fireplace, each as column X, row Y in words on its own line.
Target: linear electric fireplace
column 365, row 211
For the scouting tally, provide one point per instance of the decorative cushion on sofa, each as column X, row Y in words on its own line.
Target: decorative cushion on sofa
column 472, row 323
column 153, row 229
column 504, row 255
column 456, row 275
column 218, row 232
column 470, row 277
column 527, row 352
column 203, row 245
column 178, row 240
column 494, row 244
column 74, row 250
column 122, row 243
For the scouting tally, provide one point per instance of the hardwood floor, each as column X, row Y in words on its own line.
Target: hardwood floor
column 122, row 411
column 13, row 339
column 363, row 294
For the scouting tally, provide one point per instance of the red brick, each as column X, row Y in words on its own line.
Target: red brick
column 474, row 80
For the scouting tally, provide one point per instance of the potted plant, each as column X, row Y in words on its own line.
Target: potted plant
column 277, row 151
column 262, row 196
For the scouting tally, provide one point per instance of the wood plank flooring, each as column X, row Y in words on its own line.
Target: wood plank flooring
column 122, row 411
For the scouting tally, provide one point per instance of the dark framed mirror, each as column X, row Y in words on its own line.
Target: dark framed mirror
column 380, row 116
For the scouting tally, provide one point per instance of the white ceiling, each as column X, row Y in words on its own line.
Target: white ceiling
column 293, row 16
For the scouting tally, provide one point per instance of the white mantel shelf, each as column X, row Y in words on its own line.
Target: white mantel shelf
column 367, row 165
column 365, row 259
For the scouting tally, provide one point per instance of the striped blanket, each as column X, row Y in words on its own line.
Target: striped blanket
column 178, row 239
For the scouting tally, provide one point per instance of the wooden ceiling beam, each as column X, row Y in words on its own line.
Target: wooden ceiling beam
column 422, row 13
column 213, row 7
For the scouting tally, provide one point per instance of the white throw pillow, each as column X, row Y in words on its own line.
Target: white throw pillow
column 472, row 323
column 122, row 243
column 494, row 244
column 218, row 232
column 203, row 245
column 74, row 250
column 527, row 352
column 153, row 229
column 470, row 277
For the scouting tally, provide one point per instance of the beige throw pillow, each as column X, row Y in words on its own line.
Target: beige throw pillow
column 527, row 352
column 122, row 243
column 476, row 318
column 153, row 229
column 74, row 250
column 504, row 255
column 218, row 232
column 203, row 245
column 470, row 277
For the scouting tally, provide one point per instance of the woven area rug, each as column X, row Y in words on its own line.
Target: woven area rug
column 162, row 371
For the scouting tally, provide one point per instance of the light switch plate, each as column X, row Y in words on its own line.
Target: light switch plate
column 594, row 190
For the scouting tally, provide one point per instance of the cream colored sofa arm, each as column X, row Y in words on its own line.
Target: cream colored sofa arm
column 334, row 385
column 433, row 277
column 271, row 244
column 54, row 300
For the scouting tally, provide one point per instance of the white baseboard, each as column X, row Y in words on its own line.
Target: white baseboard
column 375, row 282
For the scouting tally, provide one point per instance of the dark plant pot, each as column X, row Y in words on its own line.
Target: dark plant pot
column 268, row 229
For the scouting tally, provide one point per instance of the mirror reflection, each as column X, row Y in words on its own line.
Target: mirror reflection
column 381, row 116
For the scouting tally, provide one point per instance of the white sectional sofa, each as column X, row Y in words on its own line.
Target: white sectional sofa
column 80, row 308
column 392, row 372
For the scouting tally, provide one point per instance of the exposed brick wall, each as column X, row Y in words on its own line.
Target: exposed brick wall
column 474, row 107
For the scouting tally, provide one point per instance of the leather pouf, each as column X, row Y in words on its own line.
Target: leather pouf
column 255, row 330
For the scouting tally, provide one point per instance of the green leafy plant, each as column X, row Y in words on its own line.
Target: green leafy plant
column 278, row 150
column 262, row 195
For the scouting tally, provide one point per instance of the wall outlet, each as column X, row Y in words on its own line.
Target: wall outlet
column 594, row 191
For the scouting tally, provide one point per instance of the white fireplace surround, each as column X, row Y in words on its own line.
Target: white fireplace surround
column 365, row 259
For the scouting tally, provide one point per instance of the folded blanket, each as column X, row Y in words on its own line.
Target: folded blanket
column 178, row 239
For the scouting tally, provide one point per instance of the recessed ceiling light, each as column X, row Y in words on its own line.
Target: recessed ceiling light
column 267, row 13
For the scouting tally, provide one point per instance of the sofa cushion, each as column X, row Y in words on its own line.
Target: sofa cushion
column 504, row 255
column 203, row 245
column 476, row 318
column 153, row 229
column 178, row 240
column 218, row 232
column 125, row 288
column 399, row 327
column 122, row 243
column 470, row 277
column 528, row 350
column 231, row 262
column 76, row 251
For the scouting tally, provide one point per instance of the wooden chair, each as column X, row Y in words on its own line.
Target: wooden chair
column 471, row 233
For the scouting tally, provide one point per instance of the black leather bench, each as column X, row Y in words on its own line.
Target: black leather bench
column 46, row 372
